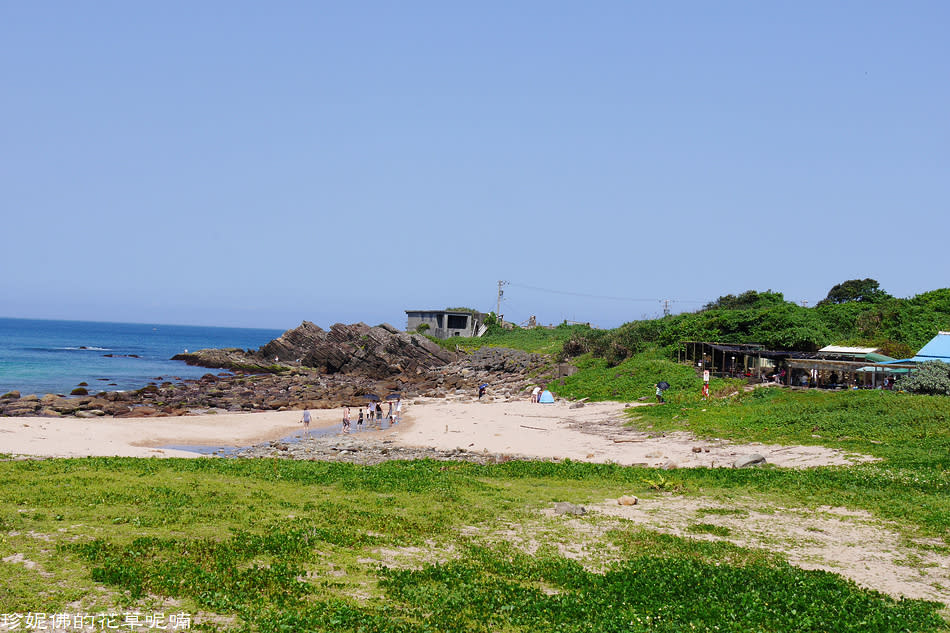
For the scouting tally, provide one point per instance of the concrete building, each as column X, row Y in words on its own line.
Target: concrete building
column 445, row 323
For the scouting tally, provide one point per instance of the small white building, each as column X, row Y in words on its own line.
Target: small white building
column 445, row 323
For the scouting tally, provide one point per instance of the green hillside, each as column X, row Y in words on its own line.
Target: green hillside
column 873, row 318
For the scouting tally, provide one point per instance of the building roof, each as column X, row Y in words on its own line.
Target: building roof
column 443, row 312
column 937, row 349
column 842, row 349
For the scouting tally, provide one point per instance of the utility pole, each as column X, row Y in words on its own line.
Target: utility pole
column 501, row 293
column 804, row 303
column 666, row 307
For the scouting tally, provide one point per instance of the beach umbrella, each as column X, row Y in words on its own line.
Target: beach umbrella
column 371, row 396
column 483, row 386
column 393, row 396
column 663, row 385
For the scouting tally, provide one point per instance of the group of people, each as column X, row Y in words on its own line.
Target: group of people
column 371, row 411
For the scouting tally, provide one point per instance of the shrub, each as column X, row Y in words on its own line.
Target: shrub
column 931, row 377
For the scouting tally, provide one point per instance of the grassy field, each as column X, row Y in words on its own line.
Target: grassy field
column 539, row 340
column 273, row 545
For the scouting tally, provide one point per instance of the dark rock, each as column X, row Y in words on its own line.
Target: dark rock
column 10, row 395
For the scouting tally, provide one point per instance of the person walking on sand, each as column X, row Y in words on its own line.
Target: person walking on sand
column 306, row 421
column 346, row 419
column 359, row 421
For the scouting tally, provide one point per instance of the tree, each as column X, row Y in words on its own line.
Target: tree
column 747, row 300
column 862, row 290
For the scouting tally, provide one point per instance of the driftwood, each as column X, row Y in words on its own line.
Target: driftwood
column 536, row 428
column 619, row 441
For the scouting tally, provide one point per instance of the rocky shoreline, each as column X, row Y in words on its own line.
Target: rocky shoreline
column 312, row 368
column 360, row 448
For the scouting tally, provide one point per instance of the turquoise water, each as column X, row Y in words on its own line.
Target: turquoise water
column 40, row 356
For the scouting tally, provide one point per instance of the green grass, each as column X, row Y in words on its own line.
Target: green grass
column 537, row 340
column 909, row 434
column 635, row 378
column 280, row 545
column 273, row 545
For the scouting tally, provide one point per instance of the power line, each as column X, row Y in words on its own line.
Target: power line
column 590, row 296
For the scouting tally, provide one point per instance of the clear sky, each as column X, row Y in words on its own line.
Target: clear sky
column 257, row 164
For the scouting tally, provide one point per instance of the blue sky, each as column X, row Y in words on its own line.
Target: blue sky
column 258, row 164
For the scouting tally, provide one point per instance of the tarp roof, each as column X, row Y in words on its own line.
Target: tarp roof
column 937, row 349
column 843, row 349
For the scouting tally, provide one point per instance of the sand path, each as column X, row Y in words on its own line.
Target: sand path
column 594, row 432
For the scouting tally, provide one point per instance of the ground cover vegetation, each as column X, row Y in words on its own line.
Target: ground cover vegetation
column 268, row 545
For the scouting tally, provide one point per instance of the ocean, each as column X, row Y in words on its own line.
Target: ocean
column 40, row 356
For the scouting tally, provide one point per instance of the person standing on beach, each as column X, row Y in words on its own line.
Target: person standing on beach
column 359, row 421
column 379, row 414
column 306, row 421
column 346, row 419
column 535, row 393
column 398, row 413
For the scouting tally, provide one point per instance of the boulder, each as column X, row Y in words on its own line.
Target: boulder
column 749, row 460
column 563, row 507
column 628, row 500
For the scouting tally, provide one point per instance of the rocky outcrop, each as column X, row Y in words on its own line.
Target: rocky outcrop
column 375, row 352
column 354, row 361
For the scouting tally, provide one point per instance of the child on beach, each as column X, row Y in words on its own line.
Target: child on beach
column 306, row 421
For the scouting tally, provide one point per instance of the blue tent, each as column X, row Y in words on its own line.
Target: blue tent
column 937, row 349
column 546, row 397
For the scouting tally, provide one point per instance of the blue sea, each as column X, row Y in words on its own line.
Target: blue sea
column 40, row 356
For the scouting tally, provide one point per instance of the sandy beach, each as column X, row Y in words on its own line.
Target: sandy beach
column 593, row 432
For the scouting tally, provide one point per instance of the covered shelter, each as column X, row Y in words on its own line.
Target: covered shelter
column 749, row 360
column 844, row 367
